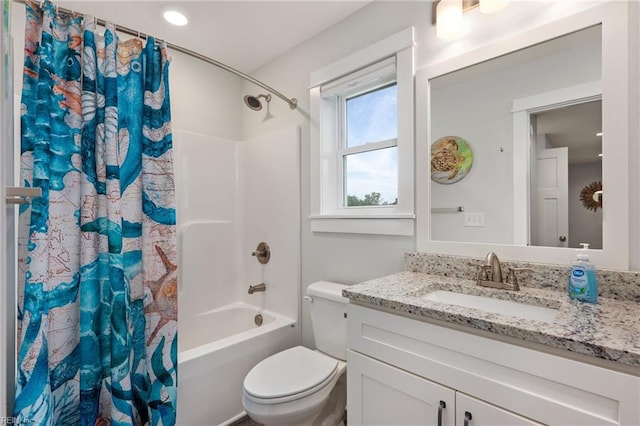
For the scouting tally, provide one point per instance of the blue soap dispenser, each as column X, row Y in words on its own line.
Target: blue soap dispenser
column 582, row 279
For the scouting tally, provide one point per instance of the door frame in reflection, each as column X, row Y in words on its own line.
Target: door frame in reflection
column 522, row 110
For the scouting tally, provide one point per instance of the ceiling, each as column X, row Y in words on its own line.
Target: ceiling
column 243, row 34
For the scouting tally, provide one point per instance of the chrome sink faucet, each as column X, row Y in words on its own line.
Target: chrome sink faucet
column 492, row 266
column 492, row 262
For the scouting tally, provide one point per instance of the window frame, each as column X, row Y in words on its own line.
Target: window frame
column 328, row 212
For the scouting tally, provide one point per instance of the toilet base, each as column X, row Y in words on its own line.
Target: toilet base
column 333, row 411
column 328, row 411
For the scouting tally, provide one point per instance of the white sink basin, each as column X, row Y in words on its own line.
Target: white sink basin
column 498, row 306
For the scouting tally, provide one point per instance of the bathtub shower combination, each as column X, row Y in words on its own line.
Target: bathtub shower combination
column 224, row 262
column 216, row 354
column 218, row 347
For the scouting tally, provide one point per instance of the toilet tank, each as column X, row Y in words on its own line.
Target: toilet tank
column 329, row 318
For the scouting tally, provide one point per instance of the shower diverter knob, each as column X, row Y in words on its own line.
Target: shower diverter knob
column 262, row 253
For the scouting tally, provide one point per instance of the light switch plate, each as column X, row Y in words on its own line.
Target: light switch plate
column 474, row 219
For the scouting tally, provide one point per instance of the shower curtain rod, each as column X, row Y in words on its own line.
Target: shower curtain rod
column 292, row 102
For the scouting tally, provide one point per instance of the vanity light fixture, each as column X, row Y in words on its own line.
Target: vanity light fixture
column 175, row 17
column 446, row 15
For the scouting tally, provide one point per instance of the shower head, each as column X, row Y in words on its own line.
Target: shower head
column 254, row 103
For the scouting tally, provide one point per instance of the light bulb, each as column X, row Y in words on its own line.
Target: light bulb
column 175, row 17
column 491, row 6
column 449, row 19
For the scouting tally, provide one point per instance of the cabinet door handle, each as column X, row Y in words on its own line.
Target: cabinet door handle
column 467, row 418
column 441, row 408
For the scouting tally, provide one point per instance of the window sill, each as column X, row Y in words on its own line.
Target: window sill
column 401, row 224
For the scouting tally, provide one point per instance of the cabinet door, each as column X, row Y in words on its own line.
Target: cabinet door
column 473, row 412
column 379, row 394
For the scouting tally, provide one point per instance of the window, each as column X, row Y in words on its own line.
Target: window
column 369, row 150
column 362, row 141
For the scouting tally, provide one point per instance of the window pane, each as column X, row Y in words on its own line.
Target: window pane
column 373, row 116
column 371, row 178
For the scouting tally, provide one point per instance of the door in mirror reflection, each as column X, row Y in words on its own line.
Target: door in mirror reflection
column 566, row 157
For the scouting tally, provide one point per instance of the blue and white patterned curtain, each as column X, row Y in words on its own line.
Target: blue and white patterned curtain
column 97, row 308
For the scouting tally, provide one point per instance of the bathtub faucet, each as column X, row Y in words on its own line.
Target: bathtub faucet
column 257, row 287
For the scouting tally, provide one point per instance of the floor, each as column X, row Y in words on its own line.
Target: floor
column 246, row 421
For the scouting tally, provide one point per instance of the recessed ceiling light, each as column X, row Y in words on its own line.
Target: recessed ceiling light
column 175, row 17
column 599, row 134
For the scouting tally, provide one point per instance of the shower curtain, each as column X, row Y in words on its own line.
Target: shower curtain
column 97, row 308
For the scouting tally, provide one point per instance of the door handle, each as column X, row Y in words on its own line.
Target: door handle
column 441, row 408
column 467, row 418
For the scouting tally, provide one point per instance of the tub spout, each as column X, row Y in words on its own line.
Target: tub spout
column 257, row 287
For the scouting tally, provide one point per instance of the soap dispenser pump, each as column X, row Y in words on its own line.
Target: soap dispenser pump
column 582, row 278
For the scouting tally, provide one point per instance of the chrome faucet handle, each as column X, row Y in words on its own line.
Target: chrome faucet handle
column 512, row 277
column 262, row 253
column 483, row 272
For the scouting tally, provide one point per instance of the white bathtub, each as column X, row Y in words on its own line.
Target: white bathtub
column 216, row 351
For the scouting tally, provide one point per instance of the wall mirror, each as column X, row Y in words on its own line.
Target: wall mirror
column 517, row 141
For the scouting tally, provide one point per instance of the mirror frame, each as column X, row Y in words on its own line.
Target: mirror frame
column 613, row 17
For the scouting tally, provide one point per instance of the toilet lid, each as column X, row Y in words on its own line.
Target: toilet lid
column 289, row 372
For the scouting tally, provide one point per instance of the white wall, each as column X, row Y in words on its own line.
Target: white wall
column 352, row 258
column 17, row 34
column 478, row 109
column 634, row 138
column 204, row 99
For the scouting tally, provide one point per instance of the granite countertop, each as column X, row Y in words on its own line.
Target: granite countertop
column 609, row 330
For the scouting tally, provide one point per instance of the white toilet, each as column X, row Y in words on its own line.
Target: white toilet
column 300, row 386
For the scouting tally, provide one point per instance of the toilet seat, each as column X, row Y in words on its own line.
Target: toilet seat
column 289, row 375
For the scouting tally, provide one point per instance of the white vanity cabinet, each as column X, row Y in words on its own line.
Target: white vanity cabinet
column 400, row 370
column 381, row 394
column 473, row 412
